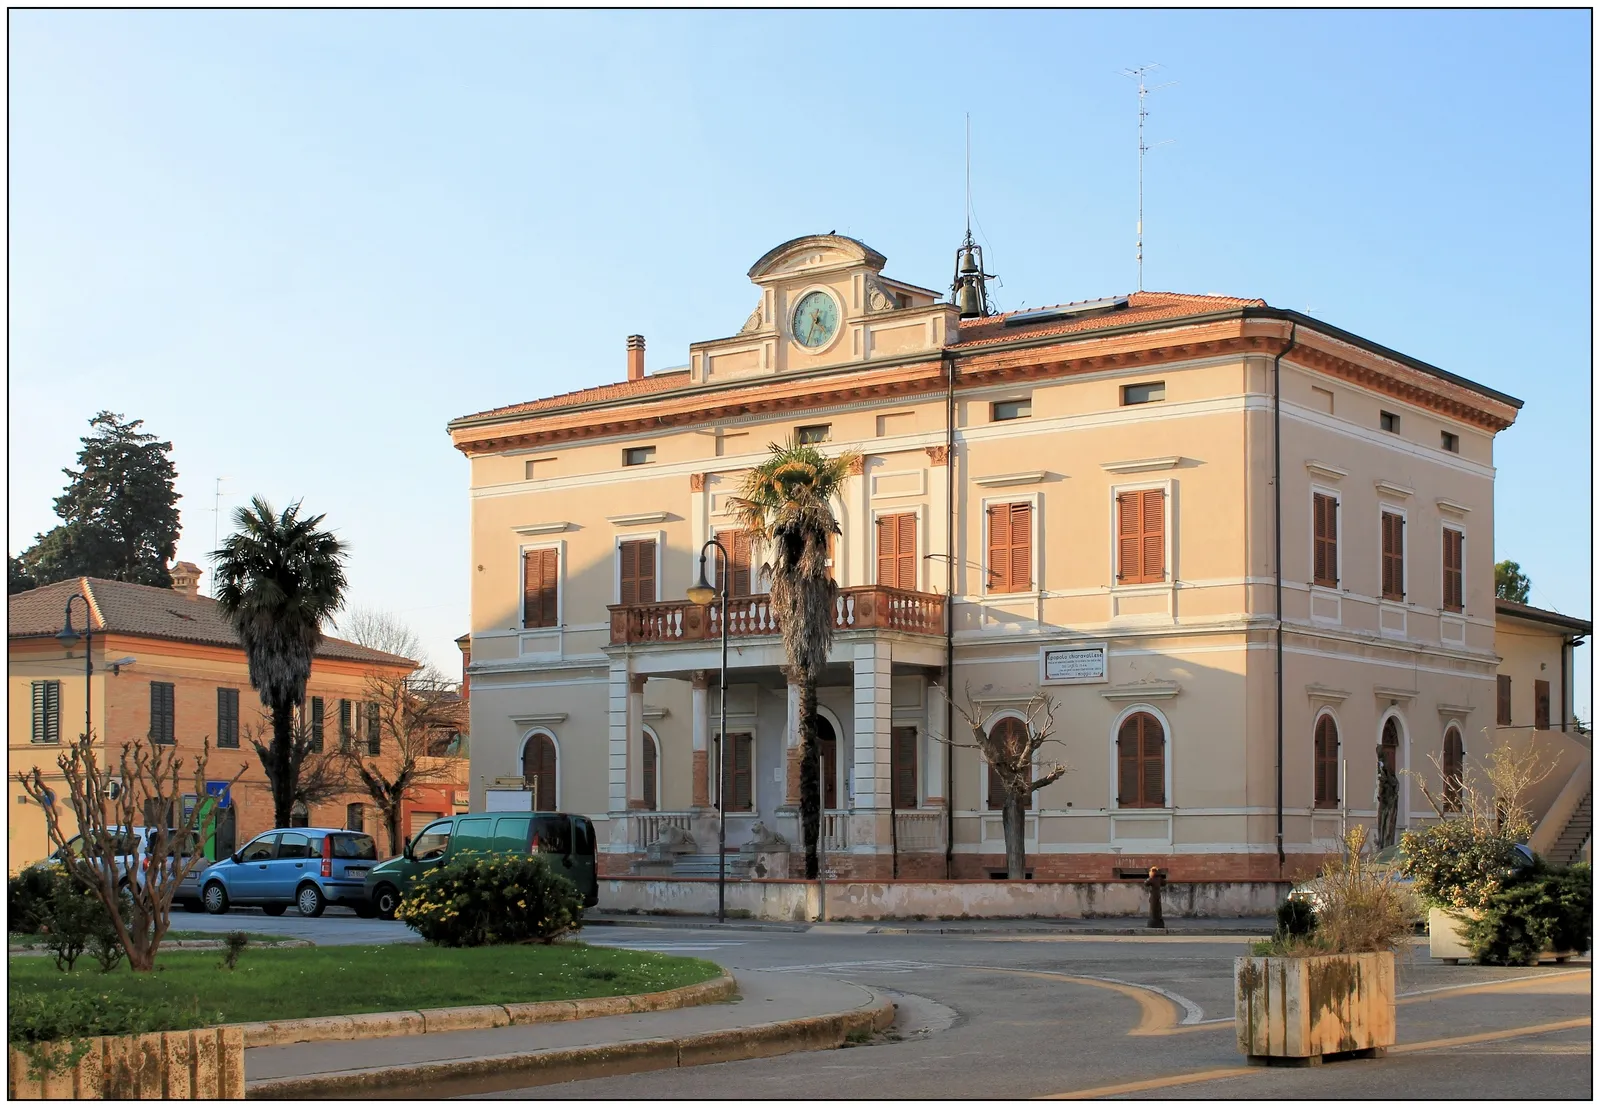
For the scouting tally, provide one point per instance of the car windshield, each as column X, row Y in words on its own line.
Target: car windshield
column 360, row 847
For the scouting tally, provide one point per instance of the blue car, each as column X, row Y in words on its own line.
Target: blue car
column 308, row 867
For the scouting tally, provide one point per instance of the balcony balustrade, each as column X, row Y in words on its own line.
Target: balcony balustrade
column 866, row 607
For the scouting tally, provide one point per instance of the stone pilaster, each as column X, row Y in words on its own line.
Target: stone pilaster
column 635, row 741
column 791, row 748
column 702, row 726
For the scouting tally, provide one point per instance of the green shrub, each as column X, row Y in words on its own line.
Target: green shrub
column 485, row 899
column 1296, row 918
column 52, row 1029
column 26, row 896
column 1545, row 910
column 70, row 917
column 1459, row 864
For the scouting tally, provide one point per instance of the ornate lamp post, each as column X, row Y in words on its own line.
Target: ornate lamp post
column 68, row 638
column 702, row 592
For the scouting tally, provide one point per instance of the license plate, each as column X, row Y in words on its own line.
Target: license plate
column 354, row 872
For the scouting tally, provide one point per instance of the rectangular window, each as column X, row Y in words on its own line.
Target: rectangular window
column 737, row 751
column 163, row 727
column 1002, row 410
column 903, row 766
column 1388, row 421
column 1394, row 556
column 1450, row 441
column 355, row 817
column 1147, row 393
column 1541, row 705
column 738, row 546
column 1141, row 536
column 1453, row 542
column 539, row 589
column 637, row 571
column 317, row 714
column 897, row 550
column 47, row 711
column 814, row 433
column 1010, row 563
column 1325, row 540
column 346, row 726
column 374, row 730
column 227, row 719
column 1502, row 700
column 638, row 455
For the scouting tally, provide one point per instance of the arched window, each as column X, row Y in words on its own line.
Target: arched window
column 299, row 815
column 652, row 754
column 539, row 770
column 1141, row 762
column 1390, row 748
column 1326, row 762
column 1451, row 765
column 828, row 747
column 1012, row 733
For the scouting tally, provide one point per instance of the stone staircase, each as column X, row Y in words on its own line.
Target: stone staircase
column 1568, row 846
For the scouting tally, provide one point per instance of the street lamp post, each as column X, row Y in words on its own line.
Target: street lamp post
column 702, row 592
column 69, row 638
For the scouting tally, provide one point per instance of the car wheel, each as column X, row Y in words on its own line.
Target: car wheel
column 274, row 909
column 310, row 901
column 364, row 911
column 215, row 898
column 193, row 906
column 386, row 900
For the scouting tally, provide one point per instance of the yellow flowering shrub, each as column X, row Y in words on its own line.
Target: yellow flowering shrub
column 485, row 899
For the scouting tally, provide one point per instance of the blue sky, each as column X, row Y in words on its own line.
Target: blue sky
column 296, row 243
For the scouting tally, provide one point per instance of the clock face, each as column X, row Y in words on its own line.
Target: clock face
column 816, row 318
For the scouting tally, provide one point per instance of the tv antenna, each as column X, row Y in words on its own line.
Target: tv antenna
column 1138, row 74
column 216, row 531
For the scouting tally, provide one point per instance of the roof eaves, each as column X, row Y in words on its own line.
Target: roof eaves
column 1541, row 615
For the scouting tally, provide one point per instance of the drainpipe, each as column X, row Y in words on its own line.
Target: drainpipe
column 949, row 617
column 1277, row 567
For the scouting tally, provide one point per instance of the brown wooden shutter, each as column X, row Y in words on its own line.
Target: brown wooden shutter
column 1451, row 766
column 1325, row 543
column 1012, row 733
column 999, row 559
column 903, row 766
column 1153, row 763
column 1141, row 536
column 1326, row 754
column 897, row 550
column 1021, row 547
column 539, row 771
column 1452, row 570
column 1502, row 699
column 1010, row 547
column 637, row 571
column 649, row 774
column 1128, row 763
column 738, row 545
column 1541, row 705
column 739, row 793
column 539, row 588
column 1128, row 505
column 1394, row 542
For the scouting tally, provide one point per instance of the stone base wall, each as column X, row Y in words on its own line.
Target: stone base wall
column 203, row 1064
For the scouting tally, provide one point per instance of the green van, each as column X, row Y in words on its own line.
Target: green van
column 554, row 834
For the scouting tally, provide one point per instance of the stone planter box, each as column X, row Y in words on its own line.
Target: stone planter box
column 1447, row 940
column 1304, row 1008
column 203, row 1064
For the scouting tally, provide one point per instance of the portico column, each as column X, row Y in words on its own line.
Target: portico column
column 933, row 750
column 870, row 827
column 636, row 741
column 618, row 731
column 791, row 747
column 698, row 684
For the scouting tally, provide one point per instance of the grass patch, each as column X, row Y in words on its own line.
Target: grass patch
column 14, row 938
column 330, row 981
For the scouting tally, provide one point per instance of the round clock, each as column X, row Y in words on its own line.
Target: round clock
column 816, row 318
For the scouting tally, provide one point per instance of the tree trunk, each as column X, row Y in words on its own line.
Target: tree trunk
column 391, row 821
column 281, row 775
column 810, row 775
column 1016, row 825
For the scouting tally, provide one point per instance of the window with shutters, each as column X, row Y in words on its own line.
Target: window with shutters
column 1393, row 529
column 897, row 550
column 1541, row 705
column 355, row 817
column 227, row 719
column 374, row 729
column 540, row 587
column 1010, row 547
column 1502, row 700
column 1141, row 762
column 1011, row 734
column 903, row 766
column 737, row 764
column 1451, row 766
column 652, row 755
column 1454, row 541
column 47, row 711
column 636, row 571
column 346, row 725
column 740, row 548
column 539, row 770
column 1325, row 763
column 1325, row 540
column 1141, row 536
column 163, row 727
column 318, row 716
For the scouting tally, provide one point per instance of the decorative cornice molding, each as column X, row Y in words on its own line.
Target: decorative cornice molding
column 938, row 455
column 544, row 719
column 1455, row 709
column 638, row 518
column 1141, row 465
column 1387, row 692
column 1451, row 508
column 543, row 528
column 655, row 713
column 1143, row 690
column 1002, row 480
column 1325, row 471
column 1327, row 693
column 1389, row 488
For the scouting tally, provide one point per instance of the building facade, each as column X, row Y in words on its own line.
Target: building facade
column 183, row 677
column 1247, row 555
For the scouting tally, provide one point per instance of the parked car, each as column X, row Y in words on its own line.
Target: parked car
column 132, row 847
column 554, row 834
column 1393, row 858
column 308, row 867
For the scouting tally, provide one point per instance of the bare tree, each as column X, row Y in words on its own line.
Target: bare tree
column 385, row 631
column 413, row 716
column 1495, row 797
column 1010, row 751
column 148, row 792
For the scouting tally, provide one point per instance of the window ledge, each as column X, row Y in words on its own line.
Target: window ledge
column 1143, row 690
column 639, row 518
column 553, row 528
column 1141, row 465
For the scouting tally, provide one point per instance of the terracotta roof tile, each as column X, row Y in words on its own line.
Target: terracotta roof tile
column 656, row 382
column 131, row 609
column 1143, row 307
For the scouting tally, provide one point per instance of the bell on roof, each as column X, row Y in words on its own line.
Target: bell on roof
column 970, row 293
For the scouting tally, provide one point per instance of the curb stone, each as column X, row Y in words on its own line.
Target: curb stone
column 691, row 925
column 382, row 1025
column 549, row 1067
column 1252, row 930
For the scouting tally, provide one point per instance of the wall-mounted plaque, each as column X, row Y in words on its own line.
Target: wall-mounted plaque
column 1073, row 664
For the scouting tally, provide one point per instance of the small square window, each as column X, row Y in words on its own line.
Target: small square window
column 1010, row 409
column 815, row 433
column 638, row 455
column 1450, row 441
column 1147, row 393
column 1388, row 421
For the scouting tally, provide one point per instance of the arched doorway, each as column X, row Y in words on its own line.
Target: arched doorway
column 539, row 770
column 1389, row 750
column 1451, row 765
column 828, row 747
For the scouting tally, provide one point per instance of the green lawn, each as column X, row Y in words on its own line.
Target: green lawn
column 338, row 980
column 15, row 938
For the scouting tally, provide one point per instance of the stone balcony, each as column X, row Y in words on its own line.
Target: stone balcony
column 862, row 608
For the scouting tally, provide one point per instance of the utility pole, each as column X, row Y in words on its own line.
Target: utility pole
column 1138, row 74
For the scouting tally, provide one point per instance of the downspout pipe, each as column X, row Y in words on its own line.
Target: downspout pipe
column 1277, row 569
column 949, row 617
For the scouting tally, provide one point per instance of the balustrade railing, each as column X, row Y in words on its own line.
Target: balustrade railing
column 648, row 826
column 919, row 831
column 835, row 830
column 861, row 608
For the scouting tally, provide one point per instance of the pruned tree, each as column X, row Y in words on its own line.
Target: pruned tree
column 412, row 714
column 1493, row 795
column 1010, row 752
column 146, row 791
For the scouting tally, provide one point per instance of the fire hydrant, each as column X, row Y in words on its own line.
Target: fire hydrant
column 1155, row 883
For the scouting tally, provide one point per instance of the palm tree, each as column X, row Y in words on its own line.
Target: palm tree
column 278, row 579
column 786, row 501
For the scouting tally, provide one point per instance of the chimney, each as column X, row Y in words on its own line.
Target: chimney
column 635, row 357
column 186, row 579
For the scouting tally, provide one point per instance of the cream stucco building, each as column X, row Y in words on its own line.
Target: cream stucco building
column 1113, row 501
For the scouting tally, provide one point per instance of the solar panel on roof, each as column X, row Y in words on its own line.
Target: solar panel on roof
column 1067, row 311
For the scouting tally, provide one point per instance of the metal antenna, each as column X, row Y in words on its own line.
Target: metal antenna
column 1138, row 74
column 216, row 524
column 969, row 174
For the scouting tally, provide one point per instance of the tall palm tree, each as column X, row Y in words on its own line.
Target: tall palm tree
column 278, row 579
column 786, row 501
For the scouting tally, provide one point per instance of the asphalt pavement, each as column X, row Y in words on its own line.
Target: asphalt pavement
column 335, row 927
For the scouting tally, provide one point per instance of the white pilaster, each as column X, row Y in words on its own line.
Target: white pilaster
column 933, row 751
column 872, row 726
column 791, row 729
column 635, row 743
column 617, row 762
